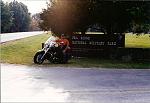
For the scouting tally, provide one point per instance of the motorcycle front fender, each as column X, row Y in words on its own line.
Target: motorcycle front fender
column 41, row 51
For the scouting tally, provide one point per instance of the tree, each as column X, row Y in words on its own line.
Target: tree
column 68, row 16
column 61, row 18
column 120, row 16
column 141, row 18
column 6, row 17
column 21, row 17
column 34, row 25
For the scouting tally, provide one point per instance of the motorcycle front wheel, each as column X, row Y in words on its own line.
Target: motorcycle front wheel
column 38, row 57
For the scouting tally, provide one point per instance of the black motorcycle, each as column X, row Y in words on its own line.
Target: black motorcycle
column 53, row 53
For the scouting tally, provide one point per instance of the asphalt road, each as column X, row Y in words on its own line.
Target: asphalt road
column 18, row 35
column 21, row 83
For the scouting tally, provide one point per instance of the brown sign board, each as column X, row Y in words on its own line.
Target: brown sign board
column 93, row 43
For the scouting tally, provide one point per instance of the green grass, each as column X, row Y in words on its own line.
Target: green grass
column 137, row 41
column 22, row 52
column 100, row 63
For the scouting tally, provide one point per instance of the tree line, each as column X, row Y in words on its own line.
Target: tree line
column 15, row 17
column 109, row 17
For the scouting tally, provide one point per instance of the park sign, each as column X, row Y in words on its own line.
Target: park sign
column 93, row 43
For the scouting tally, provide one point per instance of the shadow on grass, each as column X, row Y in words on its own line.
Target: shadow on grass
column 100, row 63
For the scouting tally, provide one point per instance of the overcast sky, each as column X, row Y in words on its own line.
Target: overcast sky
column 34, row 6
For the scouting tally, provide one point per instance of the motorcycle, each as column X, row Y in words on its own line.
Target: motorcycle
column 53, row 53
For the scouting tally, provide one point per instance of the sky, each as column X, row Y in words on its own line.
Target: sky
column 34, row 6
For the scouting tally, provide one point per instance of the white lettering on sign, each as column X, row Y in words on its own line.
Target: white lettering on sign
column 85, row 38
column 74, row 38
column 111, row 43
column 96, row 43
column 80, row 38
column 79, row 42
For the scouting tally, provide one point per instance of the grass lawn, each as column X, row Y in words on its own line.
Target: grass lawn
column 22, row 52
column 135, row 41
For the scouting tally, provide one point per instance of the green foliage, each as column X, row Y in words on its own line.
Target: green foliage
column 64, row 16
column 6, row 17
column 14, row 17
column 116, row 16
column 140, row 13
column 21, row 17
